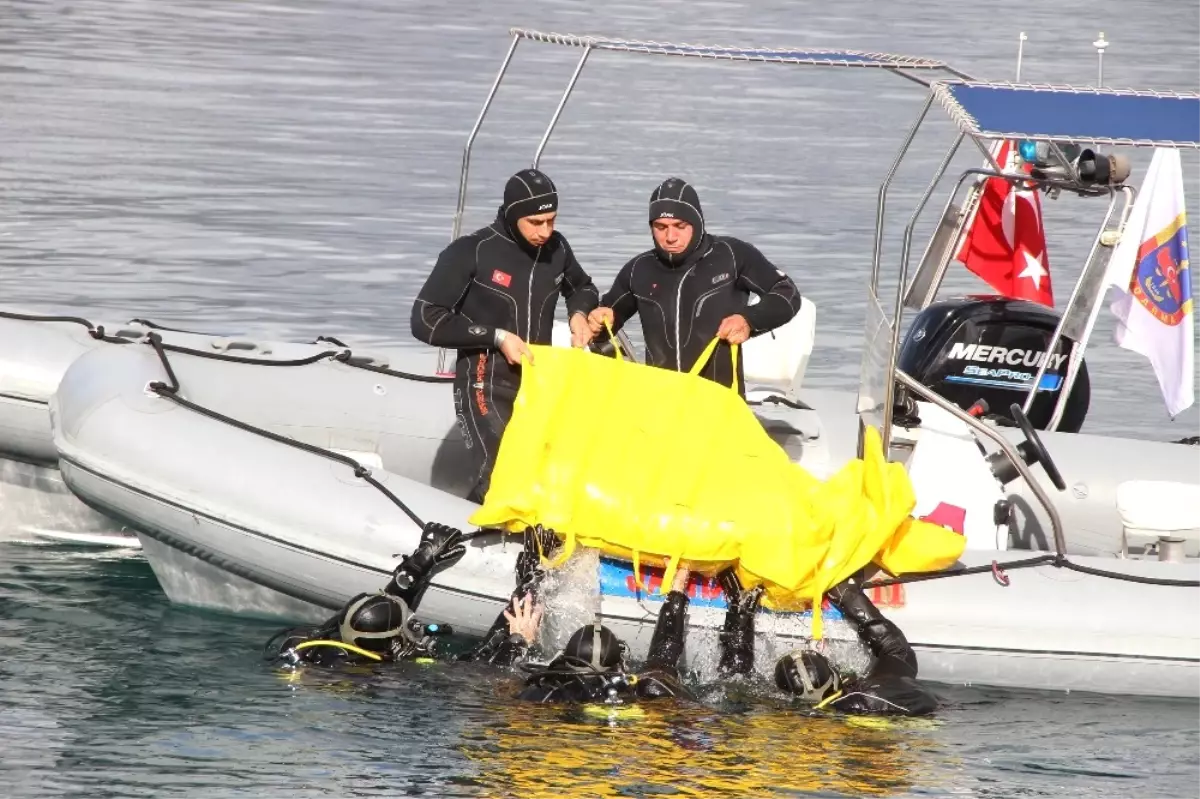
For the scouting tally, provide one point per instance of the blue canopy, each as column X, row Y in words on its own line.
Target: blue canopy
column 1068, row 114
column 806, row 56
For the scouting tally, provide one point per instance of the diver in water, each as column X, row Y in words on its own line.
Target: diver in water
column 888, row 687
column 692, row 286
column 594, row 666
column 504, row 644
column 491, row 294
column 380, row 627
column 383, row 627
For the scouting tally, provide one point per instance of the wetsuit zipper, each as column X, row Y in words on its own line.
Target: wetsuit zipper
column 678, row 311
column 529, row 297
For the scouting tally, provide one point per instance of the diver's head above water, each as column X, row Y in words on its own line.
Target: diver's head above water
column 373, row 622
column 676, row 220
column 807, row 675
column 594, row 646
column 530, row 207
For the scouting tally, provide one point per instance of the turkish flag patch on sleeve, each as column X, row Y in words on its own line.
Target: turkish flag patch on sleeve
column 502, row 278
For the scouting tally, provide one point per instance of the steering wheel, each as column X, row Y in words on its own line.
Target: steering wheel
column 1037, row 448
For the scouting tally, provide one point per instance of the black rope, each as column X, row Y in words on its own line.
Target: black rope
column 21, row 317
column 1133, row 578
column 917, row 577
column 345, row 356
column 95, row 331
column 221, row 356
column 157, row 326
column 1058, row 561
column 383, row 370
column 329, row 340
column 171, row 392
column 799, row 405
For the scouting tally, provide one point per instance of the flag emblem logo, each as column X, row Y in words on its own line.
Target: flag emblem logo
column 1160, row 283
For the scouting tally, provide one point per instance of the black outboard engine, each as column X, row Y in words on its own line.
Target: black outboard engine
column 990, row 348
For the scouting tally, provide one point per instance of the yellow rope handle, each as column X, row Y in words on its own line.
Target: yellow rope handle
column 613, row 338
column 708, row 353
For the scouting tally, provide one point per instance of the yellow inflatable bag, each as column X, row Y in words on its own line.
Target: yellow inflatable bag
column 636, row 460
column 921, row 547
column 640, row 461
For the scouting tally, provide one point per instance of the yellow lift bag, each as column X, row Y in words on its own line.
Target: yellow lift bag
column 640, row 461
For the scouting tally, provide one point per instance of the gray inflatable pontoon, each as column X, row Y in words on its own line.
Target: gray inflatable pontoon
column 234, row 519
column 35, row 504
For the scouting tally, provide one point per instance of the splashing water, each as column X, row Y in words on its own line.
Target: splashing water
column 571, row 594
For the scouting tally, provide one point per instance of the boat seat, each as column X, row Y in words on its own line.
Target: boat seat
column 1160, row 508
column 775, row 362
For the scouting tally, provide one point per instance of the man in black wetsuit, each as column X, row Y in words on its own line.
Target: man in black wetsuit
column 888, row 687
column 593, row 666
column 490, row 294
column 694, row 285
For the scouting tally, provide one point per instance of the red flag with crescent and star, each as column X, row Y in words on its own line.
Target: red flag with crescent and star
column 1005, row 243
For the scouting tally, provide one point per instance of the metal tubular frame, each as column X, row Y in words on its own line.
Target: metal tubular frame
column 898, row 311
column 562, row 103
column 925, row 253
column 592, row 43
column 1058, row 335
column 1086, row 283
column 905, row 258
column 466, row 159
column 1009, row 451
column 881, row 202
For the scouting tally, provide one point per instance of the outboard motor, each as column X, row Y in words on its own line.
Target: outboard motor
column 990, row 348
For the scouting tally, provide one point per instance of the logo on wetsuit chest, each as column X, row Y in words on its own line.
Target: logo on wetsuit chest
column 501, row 278
column 477, row 330
column 720, row 277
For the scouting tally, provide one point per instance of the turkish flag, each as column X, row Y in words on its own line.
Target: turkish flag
column 1005, row 244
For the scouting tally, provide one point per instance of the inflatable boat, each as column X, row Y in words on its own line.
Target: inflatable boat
column 35, row 504
column 283, row 489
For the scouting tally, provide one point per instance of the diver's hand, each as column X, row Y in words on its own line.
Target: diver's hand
column 598, row 317
column 734, row 329
column 581, row 331
column 525, row 618
column 513, row 348
column 440, row 546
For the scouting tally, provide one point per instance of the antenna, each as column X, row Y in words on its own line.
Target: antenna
column 1100, row 44
column 1020, row 53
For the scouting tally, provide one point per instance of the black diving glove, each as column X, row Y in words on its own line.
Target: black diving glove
column 440, row 546
column 539, row 542
column 736, row 596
